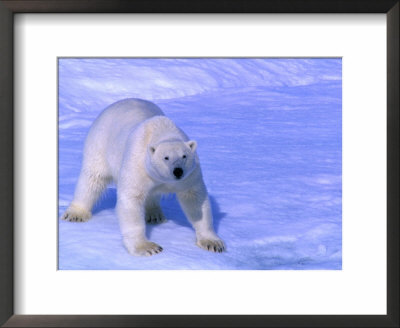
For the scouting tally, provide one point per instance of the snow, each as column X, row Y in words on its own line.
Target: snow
column 269, row 135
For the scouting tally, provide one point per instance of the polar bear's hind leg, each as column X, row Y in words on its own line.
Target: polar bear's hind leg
column 74, row 213
column 153, row 209
column 89, row 188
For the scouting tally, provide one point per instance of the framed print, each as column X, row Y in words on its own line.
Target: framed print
column 274, row 123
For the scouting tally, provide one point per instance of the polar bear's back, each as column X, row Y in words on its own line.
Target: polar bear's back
column 112, row 127
column 121, row 117
column 128, row 112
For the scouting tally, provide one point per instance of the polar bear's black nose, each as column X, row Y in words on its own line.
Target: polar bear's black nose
column 178, row 172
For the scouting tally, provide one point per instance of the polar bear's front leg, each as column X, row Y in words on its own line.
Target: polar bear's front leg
column 196, row 205
column 130, row 211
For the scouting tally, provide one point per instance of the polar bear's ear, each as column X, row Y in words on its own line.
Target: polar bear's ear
column 192, row 145
column 152, row 149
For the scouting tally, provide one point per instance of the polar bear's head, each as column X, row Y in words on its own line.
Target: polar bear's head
column 171, row 160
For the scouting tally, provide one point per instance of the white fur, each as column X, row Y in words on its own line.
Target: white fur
column 133, row 144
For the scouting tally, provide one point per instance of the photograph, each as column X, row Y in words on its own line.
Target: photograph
column 199, row 163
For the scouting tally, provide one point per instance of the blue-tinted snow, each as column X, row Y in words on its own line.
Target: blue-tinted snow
column 269, row 136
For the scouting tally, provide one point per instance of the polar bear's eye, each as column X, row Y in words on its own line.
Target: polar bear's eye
column 166, row 158
column 184, row 156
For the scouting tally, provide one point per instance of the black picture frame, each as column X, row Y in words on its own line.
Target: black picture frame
column 10, row 7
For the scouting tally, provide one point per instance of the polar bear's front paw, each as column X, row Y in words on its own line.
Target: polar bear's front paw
column 155, row 215
column 212, row 245
column 76, row 214
column 145, row 248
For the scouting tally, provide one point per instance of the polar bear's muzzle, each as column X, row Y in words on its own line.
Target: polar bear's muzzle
column 178, row 172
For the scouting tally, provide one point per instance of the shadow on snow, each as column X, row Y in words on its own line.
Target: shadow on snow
column 169, row 204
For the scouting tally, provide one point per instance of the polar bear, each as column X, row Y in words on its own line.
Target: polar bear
column 133, row 144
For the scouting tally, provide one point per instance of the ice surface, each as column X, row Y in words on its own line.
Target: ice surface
column 269, row 140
